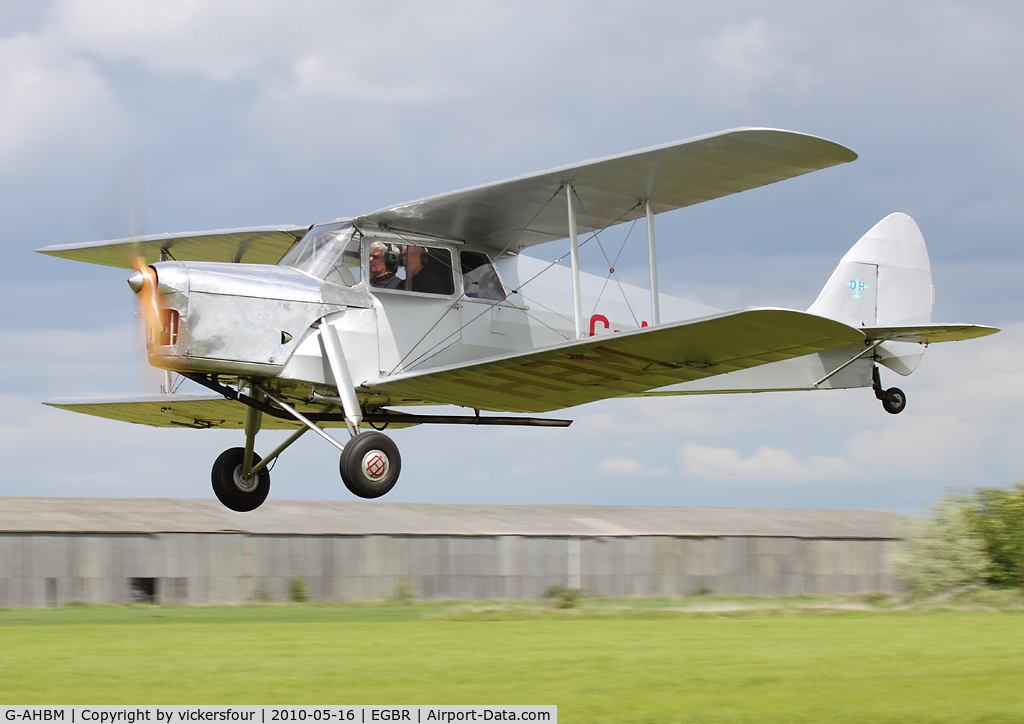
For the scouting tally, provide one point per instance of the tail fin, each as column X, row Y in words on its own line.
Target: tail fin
column 885, row 280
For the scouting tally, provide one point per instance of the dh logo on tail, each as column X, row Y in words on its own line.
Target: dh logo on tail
column 857, row 285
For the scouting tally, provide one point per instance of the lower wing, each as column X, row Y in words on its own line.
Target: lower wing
column 196, row 410
column 621, row 364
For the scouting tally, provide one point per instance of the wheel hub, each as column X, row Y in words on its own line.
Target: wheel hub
column 375, row 465
column 246, row 485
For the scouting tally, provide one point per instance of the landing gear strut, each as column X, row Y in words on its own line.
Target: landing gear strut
column 893, row 399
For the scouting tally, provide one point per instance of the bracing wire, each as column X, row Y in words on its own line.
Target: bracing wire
column 450, row 264
column 611, row 265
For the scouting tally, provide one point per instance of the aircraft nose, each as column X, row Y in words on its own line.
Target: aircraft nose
column 135, row 281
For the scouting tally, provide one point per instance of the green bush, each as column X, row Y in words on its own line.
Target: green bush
column 944, row 552
column 553, row 591
column 997, row 515
column 564, row 597
column 298, row 590
column 404, row 592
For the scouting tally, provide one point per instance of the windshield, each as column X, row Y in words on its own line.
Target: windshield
column 329, row 252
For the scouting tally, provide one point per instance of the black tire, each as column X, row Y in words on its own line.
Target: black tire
column 894, row 401
column 231, row 489
column 366, row 453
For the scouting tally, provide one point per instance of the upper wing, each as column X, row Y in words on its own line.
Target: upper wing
column 929, row 333
column 514, row 214
column 252, row 245
column 619, row 364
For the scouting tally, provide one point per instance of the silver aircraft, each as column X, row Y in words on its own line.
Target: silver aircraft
column 432, row 303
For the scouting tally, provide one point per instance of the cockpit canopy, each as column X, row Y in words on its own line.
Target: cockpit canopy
column 332, row 253
column 329, row 252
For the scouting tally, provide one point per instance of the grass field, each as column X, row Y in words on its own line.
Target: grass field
column 789, row 660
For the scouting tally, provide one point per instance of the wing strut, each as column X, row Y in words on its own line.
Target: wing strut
column 574, row 251
column 653, row 257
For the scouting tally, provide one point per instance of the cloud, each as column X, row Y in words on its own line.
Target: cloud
column 218, row 40
column 626, row 466
column 621, row 466
column 751, row 57
column 71, row 362
column 312, row 47
column 767, row 464
column 51, row 104
column 329, row 76
column 963, row 411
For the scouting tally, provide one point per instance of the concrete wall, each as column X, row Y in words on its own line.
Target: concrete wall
column 41, row 569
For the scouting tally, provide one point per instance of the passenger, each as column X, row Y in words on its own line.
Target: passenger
column 422, row 273
column 383, row 265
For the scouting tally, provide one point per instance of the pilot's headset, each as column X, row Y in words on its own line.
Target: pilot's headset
column 391, row 258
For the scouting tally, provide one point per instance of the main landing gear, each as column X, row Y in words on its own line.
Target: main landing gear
column 233, row 488
column 370, row 463
column 894, row 401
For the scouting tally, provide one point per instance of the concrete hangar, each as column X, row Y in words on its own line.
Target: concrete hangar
column 58, row 550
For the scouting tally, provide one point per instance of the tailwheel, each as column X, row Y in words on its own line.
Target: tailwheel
column 370, row 464
column 235, row 491
column 894, row 401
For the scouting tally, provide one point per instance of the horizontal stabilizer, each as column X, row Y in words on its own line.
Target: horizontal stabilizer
column 619, row 364
column 521, row 212
column 250, row 245
column 929, row 333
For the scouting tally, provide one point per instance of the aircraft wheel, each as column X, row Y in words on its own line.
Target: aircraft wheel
column 370, row 464
column 894, row 401
column 234, row 491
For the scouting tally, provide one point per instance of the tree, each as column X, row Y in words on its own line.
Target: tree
column 943, row 552
column 997, row 515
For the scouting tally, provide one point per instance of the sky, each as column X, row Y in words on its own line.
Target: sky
column 121, row 117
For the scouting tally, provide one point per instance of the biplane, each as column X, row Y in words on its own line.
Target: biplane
column 350, row 323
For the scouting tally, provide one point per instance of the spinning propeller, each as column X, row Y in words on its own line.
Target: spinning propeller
column 143, row 282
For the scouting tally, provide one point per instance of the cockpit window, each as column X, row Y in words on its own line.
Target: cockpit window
column 479, row 280
column 329, row 252
column 411, row 268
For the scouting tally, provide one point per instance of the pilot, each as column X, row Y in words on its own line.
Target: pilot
column 422, row 273
column 383, row 265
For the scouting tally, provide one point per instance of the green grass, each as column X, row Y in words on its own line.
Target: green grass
column 658, row 660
